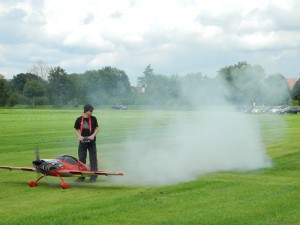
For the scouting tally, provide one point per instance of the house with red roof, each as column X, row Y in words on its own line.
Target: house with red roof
column 291, row 82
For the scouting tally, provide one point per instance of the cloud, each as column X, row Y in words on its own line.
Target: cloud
column 173, row 36
column 88, row 19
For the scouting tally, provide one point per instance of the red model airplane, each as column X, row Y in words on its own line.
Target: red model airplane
column 62, row 166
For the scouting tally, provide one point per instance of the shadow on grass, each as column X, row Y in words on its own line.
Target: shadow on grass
column 98, row 185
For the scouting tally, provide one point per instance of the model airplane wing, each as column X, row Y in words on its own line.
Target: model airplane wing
column 18, row 168
column 87, row 173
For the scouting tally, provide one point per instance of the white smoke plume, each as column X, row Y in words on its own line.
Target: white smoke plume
column 188, row 147
column 188, row 144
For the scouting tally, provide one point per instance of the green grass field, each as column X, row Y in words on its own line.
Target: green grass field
column 265, row 196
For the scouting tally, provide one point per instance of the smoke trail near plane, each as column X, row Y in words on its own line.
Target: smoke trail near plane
column 192, row 143
column 187, row 147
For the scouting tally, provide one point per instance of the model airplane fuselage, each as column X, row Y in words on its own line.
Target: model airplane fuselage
column 62, row 166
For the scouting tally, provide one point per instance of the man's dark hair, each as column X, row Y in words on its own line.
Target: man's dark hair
column 88, row 107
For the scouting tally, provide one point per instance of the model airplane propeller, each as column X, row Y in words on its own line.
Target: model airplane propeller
column 61, row 166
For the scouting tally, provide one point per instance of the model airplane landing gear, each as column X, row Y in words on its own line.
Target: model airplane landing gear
column 63, row 184
column 34, row 183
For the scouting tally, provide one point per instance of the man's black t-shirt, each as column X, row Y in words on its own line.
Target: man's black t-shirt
column 86, row 126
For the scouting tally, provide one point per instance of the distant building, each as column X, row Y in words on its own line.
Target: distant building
column 291, row 82
column 140, row 90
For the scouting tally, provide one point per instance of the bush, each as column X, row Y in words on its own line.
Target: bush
column 42, row 101
column 12, row 100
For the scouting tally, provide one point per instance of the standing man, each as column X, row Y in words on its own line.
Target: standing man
column 86, row 129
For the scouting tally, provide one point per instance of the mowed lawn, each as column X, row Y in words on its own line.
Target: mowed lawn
column 265, row 196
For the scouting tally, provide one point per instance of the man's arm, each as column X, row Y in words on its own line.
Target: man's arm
column 78, row 134
column 92, row 137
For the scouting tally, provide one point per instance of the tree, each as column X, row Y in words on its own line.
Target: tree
column 276, row 90
column 114, row 81
column 198, row 90
column 148, row 74
column 34, row 89
column 18, row 82
column 190, row 87
column 160, row 89
column 40, row 69
column 4, row 91
column 296, row 91
column 77, row 92
column 59, row 86
column 106, row 86
column 244, row 82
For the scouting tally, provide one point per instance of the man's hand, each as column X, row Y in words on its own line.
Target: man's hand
column 80, row 138
column 92, row 137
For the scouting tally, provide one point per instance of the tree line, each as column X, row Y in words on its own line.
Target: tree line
column 239, row 84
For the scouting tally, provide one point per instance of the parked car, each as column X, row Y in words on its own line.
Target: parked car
column 277, row 109
column 260, row 109
column 119, row 107
column 290, row 110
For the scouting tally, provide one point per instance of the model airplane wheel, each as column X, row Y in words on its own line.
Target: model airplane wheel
column 65, row 186
column 32, row 183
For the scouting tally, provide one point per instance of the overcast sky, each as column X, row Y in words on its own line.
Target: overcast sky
column 174, row 36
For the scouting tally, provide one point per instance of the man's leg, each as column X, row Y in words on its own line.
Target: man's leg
column 93, row 159
column 82, row 152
